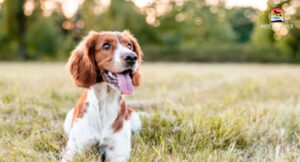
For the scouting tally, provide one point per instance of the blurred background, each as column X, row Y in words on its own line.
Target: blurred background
column 168, row 30
column 197, row 111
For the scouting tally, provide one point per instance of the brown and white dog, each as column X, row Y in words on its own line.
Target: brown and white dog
column 107, row 65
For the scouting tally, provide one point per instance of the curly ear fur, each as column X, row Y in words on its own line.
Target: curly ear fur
column 137, row 76
column 81, row 63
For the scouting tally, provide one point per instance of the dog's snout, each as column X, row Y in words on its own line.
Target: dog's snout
column 130, row 58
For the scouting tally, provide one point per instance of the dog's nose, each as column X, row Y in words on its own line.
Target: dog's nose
column 130, row 58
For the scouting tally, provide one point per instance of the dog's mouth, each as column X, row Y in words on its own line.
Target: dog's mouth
column 121, row 80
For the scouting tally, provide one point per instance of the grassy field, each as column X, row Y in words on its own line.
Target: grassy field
column 198, row 112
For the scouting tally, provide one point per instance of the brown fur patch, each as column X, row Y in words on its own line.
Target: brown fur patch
column 130, row 110
column 81, row 107
column 81, row 63
column 122, row 116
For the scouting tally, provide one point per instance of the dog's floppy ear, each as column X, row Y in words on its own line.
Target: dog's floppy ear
column 137, row 76
column 81, row 63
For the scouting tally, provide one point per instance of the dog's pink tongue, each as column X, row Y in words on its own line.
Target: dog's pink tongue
column 125, row 83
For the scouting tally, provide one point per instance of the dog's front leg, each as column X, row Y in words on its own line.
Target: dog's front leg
column 118, row 145
column 71, row 149
column 81, row 136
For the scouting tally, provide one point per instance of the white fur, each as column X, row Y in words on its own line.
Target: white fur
column 68, row 122
column 136, row 123
column 96, row 125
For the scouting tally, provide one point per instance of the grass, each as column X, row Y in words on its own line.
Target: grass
column 198, row 112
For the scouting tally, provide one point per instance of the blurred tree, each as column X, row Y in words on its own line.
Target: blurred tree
column 191, row 24
column 260, row 35
column 293, row 37
column 241, row 21
column 120, row 15
column 14, row 23
column 44, row 38
column 189, row 30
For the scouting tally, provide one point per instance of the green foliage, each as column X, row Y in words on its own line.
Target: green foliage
column 42, row 39
column 241, row 21
column 190, row 30
column 261, row 36
column 45, row 40
column 221, row 53
column 292, row 40
column 11, row 11
column 13, row 28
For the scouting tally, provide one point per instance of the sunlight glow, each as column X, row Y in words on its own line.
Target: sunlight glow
column 101, row 6
column 70, row 7
column 48, row 7
column 260, row 4
column 28, row 7
column 142, row 3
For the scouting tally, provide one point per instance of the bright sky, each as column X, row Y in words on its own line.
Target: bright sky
column 260, row 4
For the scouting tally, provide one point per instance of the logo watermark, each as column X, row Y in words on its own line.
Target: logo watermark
column 277, row 26
column 276, row 15
column 277, row 20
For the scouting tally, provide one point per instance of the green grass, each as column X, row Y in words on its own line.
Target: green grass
column 198, row 112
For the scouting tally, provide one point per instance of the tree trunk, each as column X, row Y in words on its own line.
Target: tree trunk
column 21, row 31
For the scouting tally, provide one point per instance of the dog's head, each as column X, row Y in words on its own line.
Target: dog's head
column 113, row 57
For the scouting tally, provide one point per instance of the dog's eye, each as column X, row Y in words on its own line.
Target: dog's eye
column 106, row 46
column 129, row 46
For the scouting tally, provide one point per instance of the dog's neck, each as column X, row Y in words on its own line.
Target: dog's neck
column 105, row 92
column 106, row 99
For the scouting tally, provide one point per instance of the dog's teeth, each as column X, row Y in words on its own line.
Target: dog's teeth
column 111, row 75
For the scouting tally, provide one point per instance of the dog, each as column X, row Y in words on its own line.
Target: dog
column 277, row 13
column 107, row 64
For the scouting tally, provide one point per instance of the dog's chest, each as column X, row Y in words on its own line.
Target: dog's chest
column 105, row 101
